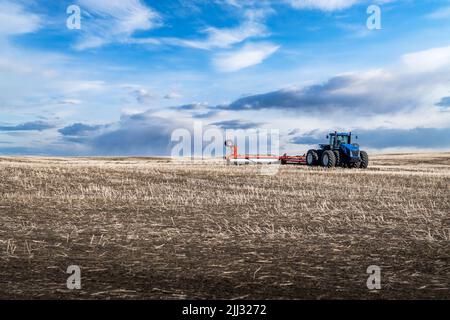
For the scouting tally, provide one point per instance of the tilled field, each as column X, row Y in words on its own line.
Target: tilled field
column 148, row 228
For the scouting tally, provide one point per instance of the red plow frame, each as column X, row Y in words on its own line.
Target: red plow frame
column 237, row 158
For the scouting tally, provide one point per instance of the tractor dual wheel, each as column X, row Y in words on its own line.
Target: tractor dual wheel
column 312, row 158
column 328, row 159
column 337, row 154
column 364, row 160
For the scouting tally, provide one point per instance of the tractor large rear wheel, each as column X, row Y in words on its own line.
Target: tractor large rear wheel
column 328, row 159
column 312, row 158
column 364, row 160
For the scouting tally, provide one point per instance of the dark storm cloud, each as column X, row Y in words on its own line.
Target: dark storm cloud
column 236, row 124
column 445, row 102
column 367, row 94
column 133, row 135
column 191, row 107
column 79, row 129
column 28, row 126
column 198, row 110
column 312, row 98
column 205, row 115
column 308, row 97
column 138, row 134
column 426, row 138
column 418, row 137
column 307, row 139
column 153, row 139
column 311, row 137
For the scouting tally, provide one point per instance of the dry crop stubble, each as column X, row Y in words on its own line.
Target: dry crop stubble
column 149, row 228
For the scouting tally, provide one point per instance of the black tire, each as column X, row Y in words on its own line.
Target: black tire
column 312, row 158
column 328, row 159
column 364, row 160
column 337, row 154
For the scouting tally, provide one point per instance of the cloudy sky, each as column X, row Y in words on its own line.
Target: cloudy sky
column 139, row 69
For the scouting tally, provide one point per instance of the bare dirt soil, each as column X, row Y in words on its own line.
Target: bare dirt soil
column 148, row 228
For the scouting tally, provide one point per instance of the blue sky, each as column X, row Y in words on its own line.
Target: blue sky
column 137, row 70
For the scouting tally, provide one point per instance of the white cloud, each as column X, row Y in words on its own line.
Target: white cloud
column 326, row 5
column 247, row 56
column 90, row 42
column 144, row 96
column 226, row 37
column 427, row 60
column 173, row 95
column 252, row 26
column 233, row 3
column 77, row 86
column 395, row 97
column 114, row 20
column 70, row 101
column 14, row 19
column 216, row 38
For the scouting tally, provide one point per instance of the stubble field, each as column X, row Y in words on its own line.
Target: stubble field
column 147, row 228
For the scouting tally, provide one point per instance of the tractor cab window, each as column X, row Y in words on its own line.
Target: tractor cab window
column 343, row 139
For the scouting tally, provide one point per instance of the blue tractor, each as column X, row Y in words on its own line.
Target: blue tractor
column 340, row 151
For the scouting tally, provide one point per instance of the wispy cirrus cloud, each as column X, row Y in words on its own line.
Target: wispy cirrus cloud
column 326, row 5
column 216, row 38
column 249, row 55
column 331, row 5
column 251, row 26
column 114, row 21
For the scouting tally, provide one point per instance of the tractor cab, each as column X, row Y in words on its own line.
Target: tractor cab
column 342, row 143
column 336, row 139
column 338, row 151
column 339, row 138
